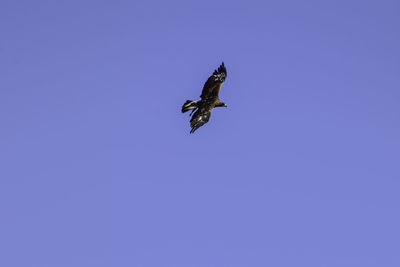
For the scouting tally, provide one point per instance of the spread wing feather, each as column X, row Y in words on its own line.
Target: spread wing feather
column 213, row 84
column 199, row 118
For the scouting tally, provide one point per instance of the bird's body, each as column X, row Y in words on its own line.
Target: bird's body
column 209, row 99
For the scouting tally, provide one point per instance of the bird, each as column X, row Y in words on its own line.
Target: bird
column 209, row 99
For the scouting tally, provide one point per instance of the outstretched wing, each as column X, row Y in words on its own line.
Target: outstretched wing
column 213, row 84
column 199, row 118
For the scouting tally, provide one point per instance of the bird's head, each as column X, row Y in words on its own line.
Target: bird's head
column 220, row 104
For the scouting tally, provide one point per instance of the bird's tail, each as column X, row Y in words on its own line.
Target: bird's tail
column 189, row 104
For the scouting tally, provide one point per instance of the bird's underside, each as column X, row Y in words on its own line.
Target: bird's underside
column 201, row 109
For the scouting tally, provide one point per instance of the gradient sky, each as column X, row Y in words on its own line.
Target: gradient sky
column 97, row 166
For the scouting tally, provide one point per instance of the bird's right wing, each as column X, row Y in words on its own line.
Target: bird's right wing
column 213, row 84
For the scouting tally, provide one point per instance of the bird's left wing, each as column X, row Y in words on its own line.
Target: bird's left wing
column 200, row 117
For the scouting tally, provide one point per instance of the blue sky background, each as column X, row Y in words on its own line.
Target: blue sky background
column 98, row 167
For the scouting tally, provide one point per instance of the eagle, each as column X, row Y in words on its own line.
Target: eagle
column 209, row 99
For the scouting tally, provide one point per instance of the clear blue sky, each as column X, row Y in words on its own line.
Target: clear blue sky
column 98, row 167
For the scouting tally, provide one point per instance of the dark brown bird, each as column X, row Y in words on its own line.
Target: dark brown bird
column 209, row 99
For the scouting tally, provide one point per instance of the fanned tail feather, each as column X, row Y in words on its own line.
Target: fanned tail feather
column 189, row 104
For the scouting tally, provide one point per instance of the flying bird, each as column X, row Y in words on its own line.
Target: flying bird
column 209, row 99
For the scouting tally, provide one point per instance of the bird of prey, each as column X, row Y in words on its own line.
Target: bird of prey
column 209, row 99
